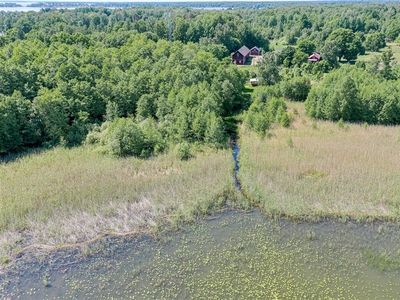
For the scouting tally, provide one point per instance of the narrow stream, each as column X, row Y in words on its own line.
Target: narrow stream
column 236, row 150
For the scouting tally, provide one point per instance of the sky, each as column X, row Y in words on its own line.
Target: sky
column 32, row 1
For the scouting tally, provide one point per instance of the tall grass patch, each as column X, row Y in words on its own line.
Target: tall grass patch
column 71, row 195
column 324, row 170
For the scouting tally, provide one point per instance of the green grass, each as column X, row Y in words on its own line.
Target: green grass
column 395, row 49
column 369, row 54
column 324, row 170
column 64, row 196
column 249, row 68
column 279, row 44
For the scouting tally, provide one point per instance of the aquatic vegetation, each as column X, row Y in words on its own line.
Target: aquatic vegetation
column 235, row 255
column 383, row 261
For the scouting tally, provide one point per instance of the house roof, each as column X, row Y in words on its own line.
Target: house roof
column 244, row 50
column 255, row 47
column 315, row 55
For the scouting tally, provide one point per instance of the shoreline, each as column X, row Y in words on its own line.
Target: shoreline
column 111, row 247
column 168, row 229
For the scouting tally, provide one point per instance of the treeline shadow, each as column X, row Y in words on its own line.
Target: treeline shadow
column 14, row 156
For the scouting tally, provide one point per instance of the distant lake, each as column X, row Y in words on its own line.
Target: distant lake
column 21, row 8
column 26, row 8
column 210, row 8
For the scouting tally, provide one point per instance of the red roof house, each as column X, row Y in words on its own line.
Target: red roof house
column 315, row 57
column 255, row 51
column 240, row 56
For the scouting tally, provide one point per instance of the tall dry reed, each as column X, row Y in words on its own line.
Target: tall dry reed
column 322, row 169
column 63, row 196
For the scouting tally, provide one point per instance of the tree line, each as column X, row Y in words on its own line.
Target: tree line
column 57, row 92
column 104, row 76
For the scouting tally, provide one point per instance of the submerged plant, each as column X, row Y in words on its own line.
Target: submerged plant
column 46, row 280
column 5, row 260
column 311, row 235
column 383, row 261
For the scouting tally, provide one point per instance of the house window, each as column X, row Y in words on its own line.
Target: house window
column 240, row 61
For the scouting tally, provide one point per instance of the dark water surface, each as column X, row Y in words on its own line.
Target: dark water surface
column 236, row 151
column 234, row 256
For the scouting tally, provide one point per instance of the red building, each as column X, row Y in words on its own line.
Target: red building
column 315, row 57
column 240, row 56
column 255, row 51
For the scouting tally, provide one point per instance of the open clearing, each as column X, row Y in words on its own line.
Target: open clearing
column 369, row 54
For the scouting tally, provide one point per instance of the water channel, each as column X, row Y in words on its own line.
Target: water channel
column 232, row 255
column 236, row 150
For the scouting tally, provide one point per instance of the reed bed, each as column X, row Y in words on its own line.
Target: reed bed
column 66, row 196
column 319, row 168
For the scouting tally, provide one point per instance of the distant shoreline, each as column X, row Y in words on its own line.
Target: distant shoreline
column 22, row 5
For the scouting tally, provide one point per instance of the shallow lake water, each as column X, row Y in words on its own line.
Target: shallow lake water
column 235, row 255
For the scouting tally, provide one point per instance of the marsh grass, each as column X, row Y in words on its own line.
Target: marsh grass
column 384, row 261
column 66, row 196
column 328, row 171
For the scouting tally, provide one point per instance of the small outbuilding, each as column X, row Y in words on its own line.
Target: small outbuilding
column 255, row 51
column 240, row 56
column 254, row 81
column 315, row 57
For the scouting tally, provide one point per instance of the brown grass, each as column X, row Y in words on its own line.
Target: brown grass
column 323, row 171
column 66, row 196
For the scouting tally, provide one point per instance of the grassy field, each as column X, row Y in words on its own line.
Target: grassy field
column 369, row 55
column 279, row 44
column 317, row 169
column 65, row 196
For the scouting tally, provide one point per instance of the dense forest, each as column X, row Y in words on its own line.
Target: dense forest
column 118, row 78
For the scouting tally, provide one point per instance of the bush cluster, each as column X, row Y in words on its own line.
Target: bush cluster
column 352, row 94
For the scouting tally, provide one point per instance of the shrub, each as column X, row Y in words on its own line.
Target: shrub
column 340, row 124
column 352, row 94
column 182, row 151
column 94, row 136
column 296, row 89
column 289, row 142
column 124, row 137
column 154, row 141
column 214, row 133
column 285, row 120
column 261, row 115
